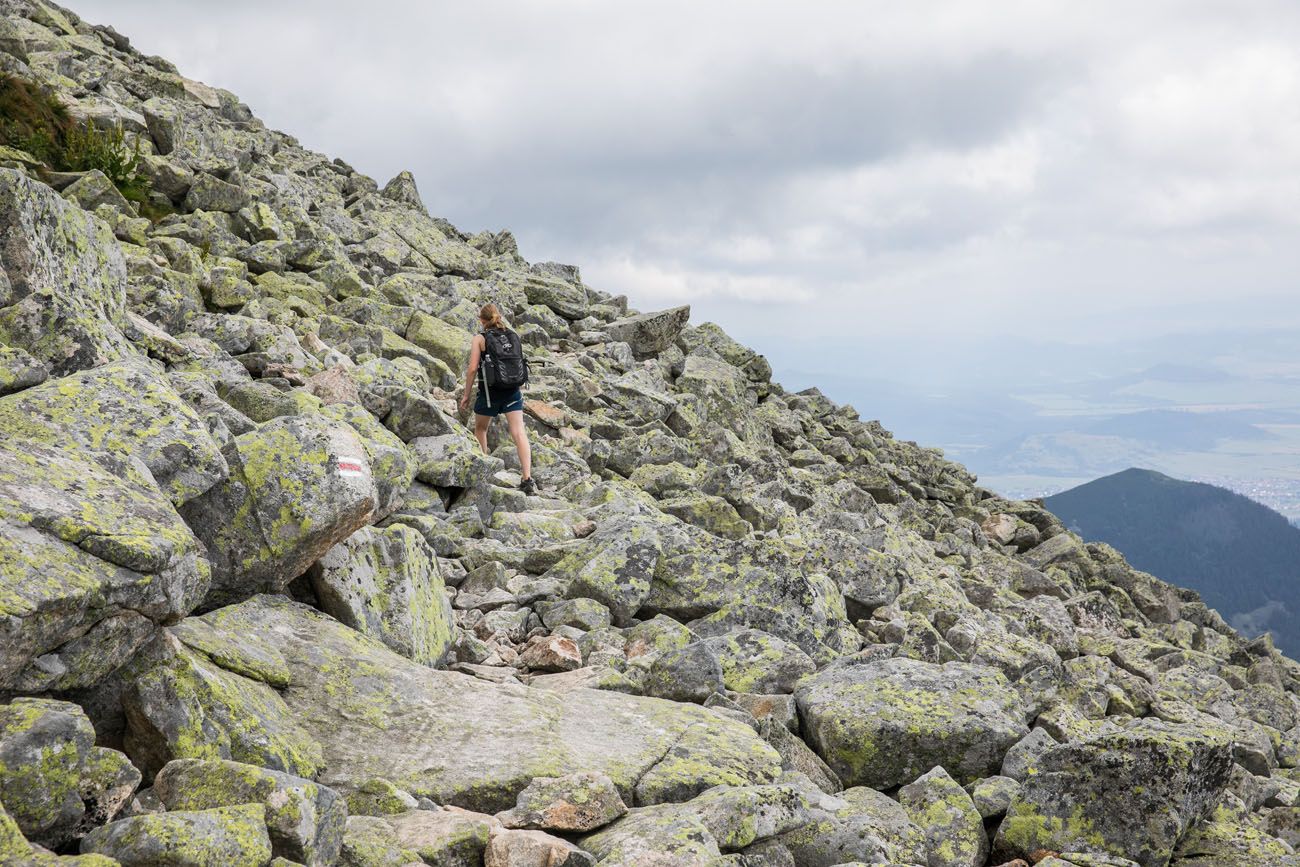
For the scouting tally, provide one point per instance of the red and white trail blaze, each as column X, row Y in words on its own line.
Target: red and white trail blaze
column 351, row 467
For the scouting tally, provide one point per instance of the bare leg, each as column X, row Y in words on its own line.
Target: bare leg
column 481, row 423
column 519, row 434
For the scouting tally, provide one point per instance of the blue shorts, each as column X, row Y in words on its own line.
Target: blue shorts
column 511, row 400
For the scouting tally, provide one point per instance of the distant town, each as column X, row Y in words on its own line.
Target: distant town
column 1280, row 495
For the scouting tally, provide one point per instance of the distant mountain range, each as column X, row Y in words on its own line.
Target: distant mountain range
column 1242, row 557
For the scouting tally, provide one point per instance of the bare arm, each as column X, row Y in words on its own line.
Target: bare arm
column 475, row 353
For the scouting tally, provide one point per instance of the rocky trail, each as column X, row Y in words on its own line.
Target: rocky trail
column 263, row 600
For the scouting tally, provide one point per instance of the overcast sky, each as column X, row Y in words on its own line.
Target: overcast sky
column 930, row 173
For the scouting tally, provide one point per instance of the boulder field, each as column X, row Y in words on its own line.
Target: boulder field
column 263, row 600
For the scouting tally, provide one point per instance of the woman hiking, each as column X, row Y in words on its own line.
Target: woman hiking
column 497, row 355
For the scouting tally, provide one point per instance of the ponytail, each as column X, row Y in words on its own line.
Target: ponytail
column 490, row 316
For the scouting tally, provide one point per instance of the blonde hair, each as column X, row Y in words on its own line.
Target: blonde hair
column 490, row 316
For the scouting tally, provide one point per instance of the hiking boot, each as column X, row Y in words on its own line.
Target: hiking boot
column 528, row 486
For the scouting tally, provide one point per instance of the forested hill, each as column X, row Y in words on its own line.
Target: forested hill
column 1243, row 557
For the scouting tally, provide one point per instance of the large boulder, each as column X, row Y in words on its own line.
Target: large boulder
column 224, row 837
column 1132, row 793
column 386, row 583
column 449, row 837
column 752, row 584
column 614, row 566
column 574, row 802
column 723, row 819
column 125, row 408
column 93, row 556
column 184, row 700
column 452, row 461
column 858, row 825
column 298, row 485
column 753, row 661
column 378, row 714
column 392, row 466
column 884, row 723
column 445, row 342
column 954, row 829
column 402, row 189
column 650, row 333
column 305, row 820
column 721, row 392
column 62, row 279
column 54, row 782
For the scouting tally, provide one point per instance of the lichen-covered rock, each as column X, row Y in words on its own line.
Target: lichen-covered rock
column 954, row 829
column 108, row 780
column 614, row 566
column 1132, row 793
column 16, row 850
column 94, row 189
column 402, row 189
column 650, row 333
column 992, row 795
column 91, row 556
column 305, row 820
column 1226, row 837
column 63, row 298
column 224, row 837
column 127, row 409
column 392, row 466
column 386, row 583
column 452, row 837
column 54, row 782
column 182, row 703
column 691, row 673
column 297, row 486
column 18, row 370
column 208, row 193
column 567, row 299
column 648, row 836
column 369, row 841
column 574, row 802
column 445, row 342
column 883, row 723
column 723, row 819
column 379, row 797
column 797, row 756
column 753, row 661
column 857, row 825
column 378, row 714
column 1021, row 757
column 452, row 461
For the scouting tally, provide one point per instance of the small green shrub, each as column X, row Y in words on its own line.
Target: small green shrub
column 87, row 147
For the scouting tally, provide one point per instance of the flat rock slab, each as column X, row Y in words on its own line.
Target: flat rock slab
column 463, row 741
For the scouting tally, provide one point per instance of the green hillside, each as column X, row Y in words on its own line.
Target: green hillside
column 1242, row 557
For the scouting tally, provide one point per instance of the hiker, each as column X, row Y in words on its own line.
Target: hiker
column 496, row 361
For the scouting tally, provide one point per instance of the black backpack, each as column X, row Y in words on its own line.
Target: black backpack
column 503, row 364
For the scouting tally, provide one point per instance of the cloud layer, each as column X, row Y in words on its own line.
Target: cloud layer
column 941, row 173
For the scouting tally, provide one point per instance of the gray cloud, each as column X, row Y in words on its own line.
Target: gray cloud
column 940, row 172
